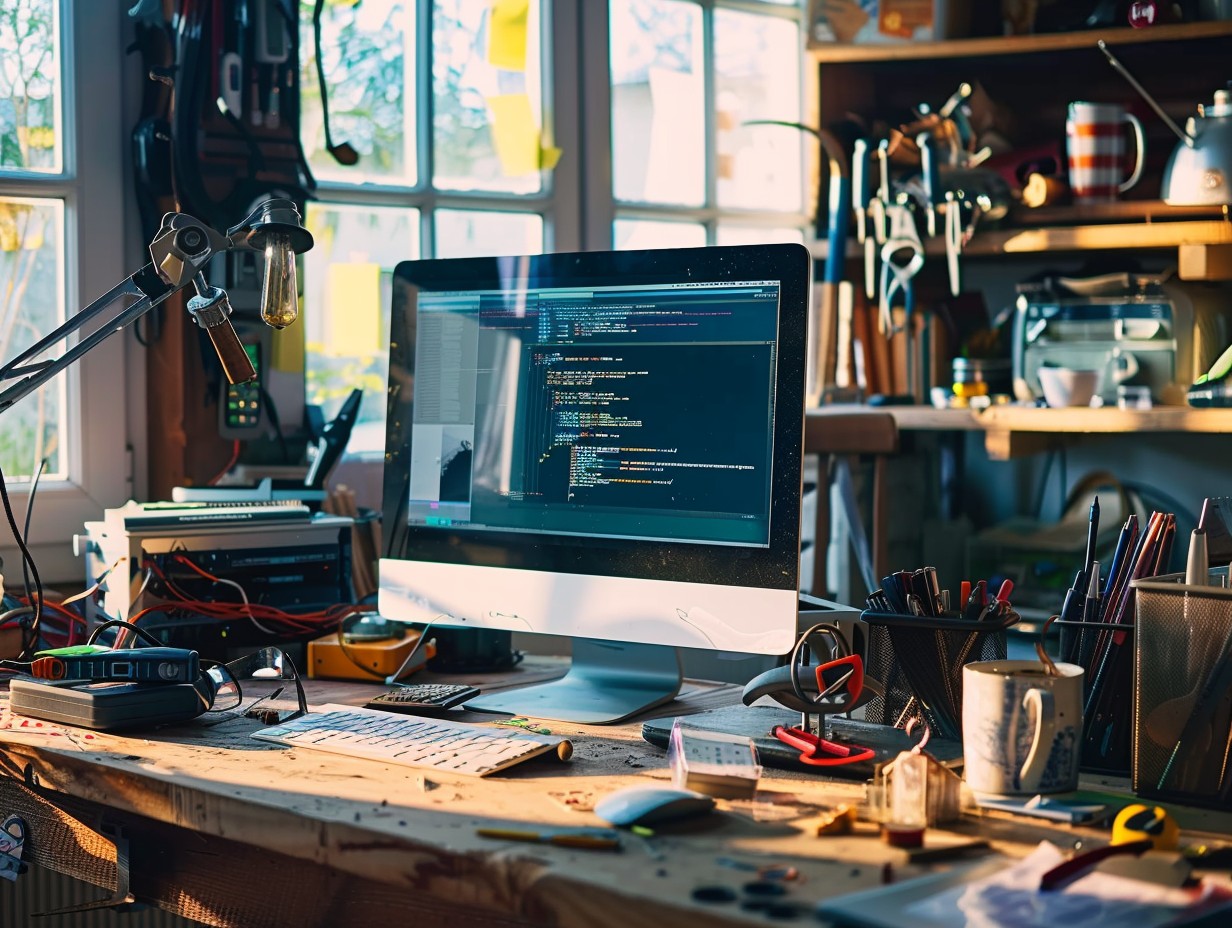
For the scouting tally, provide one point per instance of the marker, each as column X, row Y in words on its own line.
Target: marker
column 1197, row 564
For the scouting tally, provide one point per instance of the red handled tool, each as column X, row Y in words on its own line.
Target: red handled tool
column 818, row 752
column 852, row 680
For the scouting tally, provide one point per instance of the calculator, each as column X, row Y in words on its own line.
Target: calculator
column 422, row 697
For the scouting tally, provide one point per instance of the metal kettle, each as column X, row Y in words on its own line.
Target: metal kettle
column 1199, row 172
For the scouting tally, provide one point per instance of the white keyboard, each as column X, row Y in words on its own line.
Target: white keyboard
column 411, row 741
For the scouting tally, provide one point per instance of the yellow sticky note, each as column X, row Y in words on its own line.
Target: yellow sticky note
column 549, row 157
column 287, row 350
column 514, row 134
column 355, row 308
column 507, row 34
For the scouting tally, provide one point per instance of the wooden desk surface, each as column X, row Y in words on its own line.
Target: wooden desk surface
column 236, row 832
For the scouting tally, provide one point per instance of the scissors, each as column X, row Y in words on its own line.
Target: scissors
column 902, row 256
column 817, row 751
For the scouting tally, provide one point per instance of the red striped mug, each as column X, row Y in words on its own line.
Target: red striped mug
column 1095, row 137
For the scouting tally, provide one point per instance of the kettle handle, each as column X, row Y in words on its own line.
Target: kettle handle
column 1140, row 152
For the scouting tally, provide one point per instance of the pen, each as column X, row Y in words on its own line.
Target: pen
column 1092, row 534
column 580, row 840
column 1071, row 611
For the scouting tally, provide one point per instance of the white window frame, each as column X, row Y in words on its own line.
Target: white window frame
column 601, row 209
column 559, row 19
column 93, row 187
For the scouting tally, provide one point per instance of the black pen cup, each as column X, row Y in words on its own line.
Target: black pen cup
column 919, row 660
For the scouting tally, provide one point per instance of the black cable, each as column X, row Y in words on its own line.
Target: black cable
column 25, row 574
column 275, row 420
column 1040, row 491
column 29, row 642
column 120, row 623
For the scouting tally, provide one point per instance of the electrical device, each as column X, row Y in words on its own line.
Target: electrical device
column 1152, row 331
column 337, row 656
column 605, row 446
column 179, row 254
column 424, row 698
column 288, row 559
column 431, row 744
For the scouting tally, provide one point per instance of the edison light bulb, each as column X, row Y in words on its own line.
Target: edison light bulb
column 279, row 290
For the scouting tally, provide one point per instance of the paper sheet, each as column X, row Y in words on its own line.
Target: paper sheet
column 514, row 134
column 507, row 34
column 1011, row 898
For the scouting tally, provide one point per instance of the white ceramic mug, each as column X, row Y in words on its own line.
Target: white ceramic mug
column 1065, row 386
column 1095, row 142
column 1022, row 728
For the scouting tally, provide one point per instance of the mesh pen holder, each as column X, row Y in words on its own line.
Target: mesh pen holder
column 1107, row 727
column 1182, row 717
column 919, row 660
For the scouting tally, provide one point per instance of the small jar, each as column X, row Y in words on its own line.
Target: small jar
column 981, row 376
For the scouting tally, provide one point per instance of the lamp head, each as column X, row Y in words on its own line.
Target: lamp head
column 276, row 229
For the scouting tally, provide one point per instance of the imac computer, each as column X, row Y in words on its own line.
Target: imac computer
column 602, row 445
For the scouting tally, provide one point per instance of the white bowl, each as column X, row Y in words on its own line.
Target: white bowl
column 1064, row 386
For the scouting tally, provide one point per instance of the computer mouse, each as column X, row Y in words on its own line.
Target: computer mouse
column 651, row 805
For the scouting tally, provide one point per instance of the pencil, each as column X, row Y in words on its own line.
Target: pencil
column 580, row 840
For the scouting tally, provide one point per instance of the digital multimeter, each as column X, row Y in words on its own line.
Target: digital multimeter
column 242, row 404
column 137, row 665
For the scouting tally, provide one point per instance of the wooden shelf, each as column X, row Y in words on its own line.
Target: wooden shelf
column 836, row 53
column 1013, row 430
column 1102, row 237
column 1073, row 238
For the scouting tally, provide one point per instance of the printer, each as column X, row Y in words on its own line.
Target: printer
column 1153, row 331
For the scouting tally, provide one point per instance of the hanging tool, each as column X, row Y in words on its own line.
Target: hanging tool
column 877, row 232
column 862, row 200
column 829, row 335
column 833, row 338
column 902, row 256
column 953, row 240
column 930, row 175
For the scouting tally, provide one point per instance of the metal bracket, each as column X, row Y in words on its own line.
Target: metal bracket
column 123, row 896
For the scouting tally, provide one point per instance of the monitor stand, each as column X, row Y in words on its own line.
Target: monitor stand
column 609, row 681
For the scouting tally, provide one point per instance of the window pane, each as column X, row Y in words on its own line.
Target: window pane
column 346, row 308
column 467, row 233
column 757, row 76
column 31, row 305
column 755, row 235
column 658, row 102
column 30, row 105
column 487, row 97
column 369, row 54
column 649, row 233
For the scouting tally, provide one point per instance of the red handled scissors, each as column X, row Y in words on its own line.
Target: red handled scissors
column 818, row 752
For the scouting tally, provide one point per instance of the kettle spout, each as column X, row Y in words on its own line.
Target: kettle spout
column 1180, row 133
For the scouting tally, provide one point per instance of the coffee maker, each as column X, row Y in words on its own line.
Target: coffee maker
column 1133, row 329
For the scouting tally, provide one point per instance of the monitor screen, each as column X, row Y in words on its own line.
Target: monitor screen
column 600, row 445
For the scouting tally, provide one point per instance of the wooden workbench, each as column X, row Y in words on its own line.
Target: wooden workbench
column 234, row 832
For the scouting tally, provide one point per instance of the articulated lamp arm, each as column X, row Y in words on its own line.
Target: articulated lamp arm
column 180, row 252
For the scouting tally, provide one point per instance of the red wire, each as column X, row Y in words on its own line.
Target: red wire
column 235, row 456
column 320, row 620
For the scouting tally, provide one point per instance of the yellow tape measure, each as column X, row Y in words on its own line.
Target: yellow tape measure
column 1140, row 822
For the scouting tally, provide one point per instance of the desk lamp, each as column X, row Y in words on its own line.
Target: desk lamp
column 180, row 251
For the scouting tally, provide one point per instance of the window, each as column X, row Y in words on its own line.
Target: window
column 694, row 84
column 444, row 103
column 61, row 219
column 457, row 107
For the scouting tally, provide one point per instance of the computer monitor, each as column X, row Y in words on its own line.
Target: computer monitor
column 600, row 445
